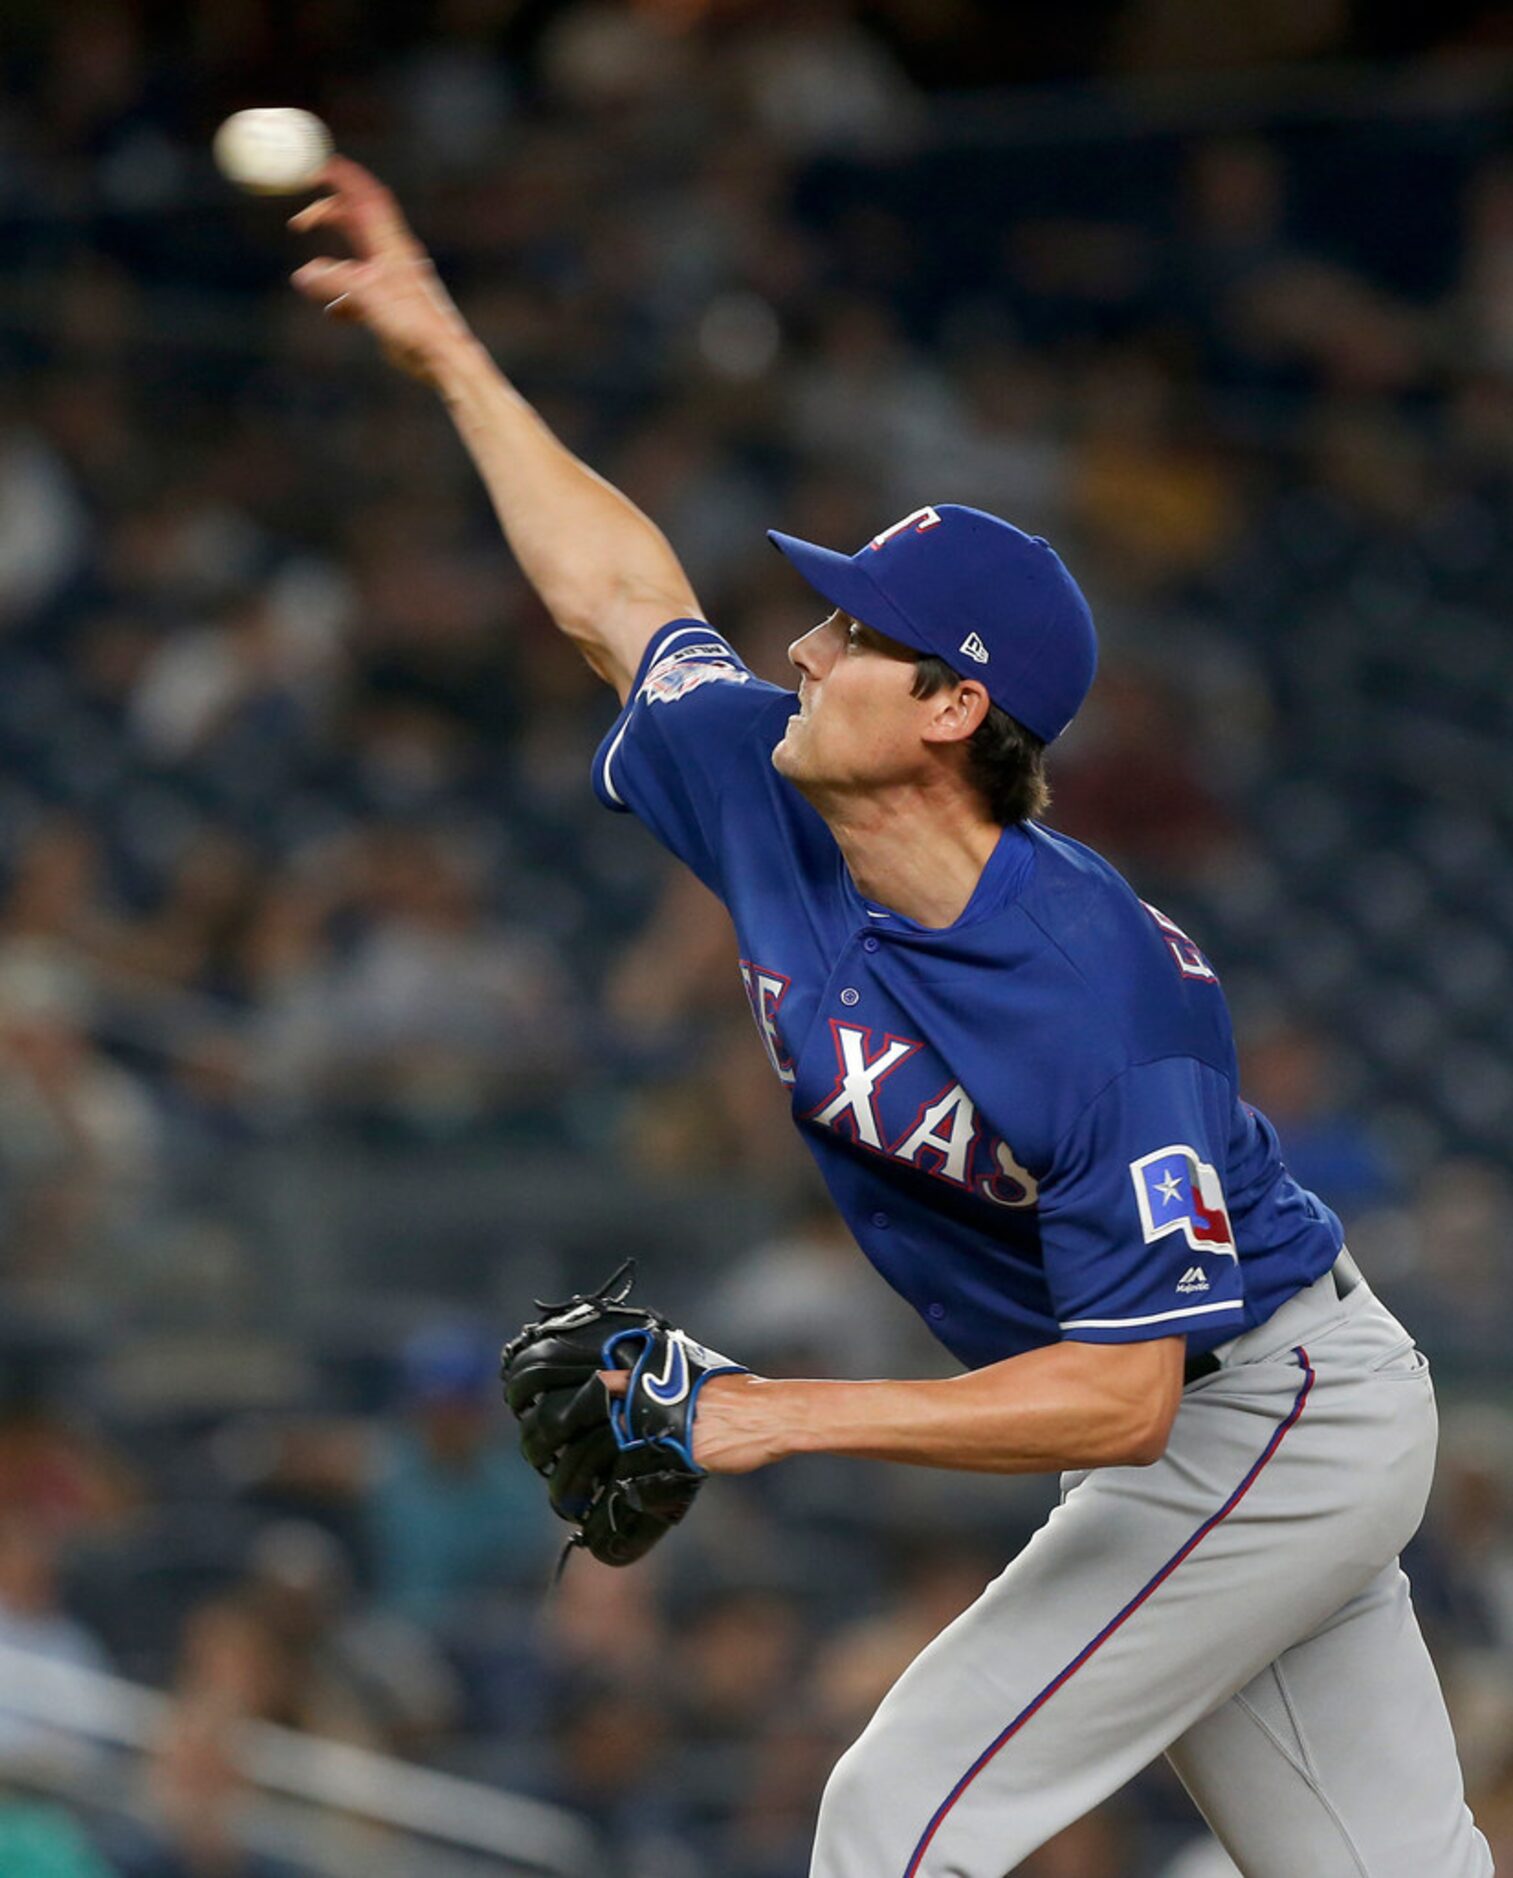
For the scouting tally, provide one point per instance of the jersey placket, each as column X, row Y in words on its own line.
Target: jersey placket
column 840, row 1048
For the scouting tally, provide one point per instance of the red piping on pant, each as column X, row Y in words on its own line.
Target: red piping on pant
column 912, row 1870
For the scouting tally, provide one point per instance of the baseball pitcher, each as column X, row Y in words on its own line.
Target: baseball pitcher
column 1019, row 1083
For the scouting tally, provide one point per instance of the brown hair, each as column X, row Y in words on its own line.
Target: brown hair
column 1005, row 762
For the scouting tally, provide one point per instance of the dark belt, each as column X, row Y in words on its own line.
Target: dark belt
column 1346, row 1275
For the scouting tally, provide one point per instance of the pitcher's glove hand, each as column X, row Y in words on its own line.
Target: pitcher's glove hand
column 620, row 1469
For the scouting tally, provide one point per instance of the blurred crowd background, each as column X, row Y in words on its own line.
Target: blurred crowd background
column 337, row 1021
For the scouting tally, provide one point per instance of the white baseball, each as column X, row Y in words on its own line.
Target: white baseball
column 274, row 152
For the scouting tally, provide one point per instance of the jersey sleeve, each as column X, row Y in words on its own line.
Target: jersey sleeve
column 694, row 716
column 1135, row 1229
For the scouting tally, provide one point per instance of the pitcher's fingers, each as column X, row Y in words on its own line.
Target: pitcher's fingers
column 369, row 212
column 316, row 214
column 326, row 280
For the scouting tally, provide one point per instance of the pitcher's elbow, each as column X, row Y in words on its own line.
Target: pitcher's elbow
column 1148, row 1449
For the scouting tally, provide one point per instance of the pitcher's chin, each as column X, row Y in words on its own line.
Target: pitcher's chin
column 785, row 759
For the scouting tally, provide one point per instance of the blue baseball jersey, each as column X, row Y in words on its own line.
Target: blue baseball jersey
column 1030, row 1119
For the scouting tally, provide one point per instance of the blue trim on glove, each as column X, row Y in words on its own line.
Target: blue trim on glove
column 682, row 1448
column 622, row 1418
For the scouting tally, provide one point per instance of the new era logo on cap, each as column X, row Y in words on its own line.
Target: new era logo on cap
column 975, row 591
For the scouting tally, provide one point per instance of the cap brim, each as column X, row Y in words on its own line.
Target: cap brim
column 840, row 580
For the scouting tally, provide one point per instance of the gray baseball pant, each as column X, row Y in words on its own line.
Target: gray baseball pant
column 1237, row 1606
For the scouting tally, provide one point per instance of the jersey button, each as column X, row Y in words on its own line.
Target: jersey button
column 870, row 944
column 850, row 996
column 937, row 1311
column 880, row 1220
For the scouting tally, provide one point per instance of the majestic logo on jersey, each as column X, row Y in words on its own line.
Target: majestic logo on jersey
column 1193, row 1279
column 687, row 667
column 919, row 521
column 1190, row 961
column 974, row 648
column 943, row 1137
column 1179, row 1193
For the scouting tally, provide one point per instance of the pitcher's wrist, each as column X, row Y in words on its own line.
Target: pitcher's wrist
column 458, row 366
column 778, row 1414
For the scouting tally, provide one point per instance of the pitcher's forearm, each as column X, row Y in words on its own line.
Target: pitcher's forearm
column 604, row 571
column 1065, row 1406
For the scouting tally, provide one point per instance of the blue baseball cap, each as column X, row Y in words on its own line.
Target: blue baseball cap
column 995, row 603
column 449, row 1362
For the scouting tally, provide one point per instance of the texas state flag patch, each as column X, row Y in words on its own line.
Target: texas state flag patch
column 1179, row 1193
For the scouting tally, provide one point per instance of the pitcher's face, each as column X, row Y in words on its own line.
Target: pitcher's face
column 858, row 722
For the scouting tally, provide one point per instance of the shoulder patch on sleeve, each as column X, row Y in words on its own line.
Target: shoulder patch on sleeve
column 686, row 667
column 1177, row 1192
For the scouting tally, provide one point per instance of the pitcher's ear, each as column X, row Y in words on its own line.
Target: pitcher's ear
column 957, row 711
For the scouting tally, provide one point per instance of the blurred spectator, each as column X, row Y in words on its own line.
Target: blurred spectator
column 39, row 1840
column 1462, row 1569
column 817, row 80
column 600, row 57
column 738, row 1656
column 437, row 1017
column 1450, row 1255
column 1156, row 505
column 34, row 1623
column 192, row 936
column 861, row 390
column 1235, row 221
column 808, row 1303
column 248, row 673
column 677, row 972
column 197, row 1797
column 1012, row 451
column 607, row 1623
column 56, row 905
column 1486, row 286
column 1132, row 785
column 452, row 1512
column 1287, row 1073
column 57, row 1475
column 42, row 524
column 231, row 1662
column 725, row 1113
column 362, row 1674
column 242, row 1655
column 611, row 1750
column 771, row 1815
column 80, row 1136
column 862, row 1660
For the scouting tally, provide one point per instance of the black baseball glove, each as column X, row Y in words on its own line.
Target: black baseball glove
column 619, row 1468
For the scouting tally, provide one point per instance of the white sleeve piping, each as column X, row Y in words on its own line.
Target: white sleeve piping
column 609, row 757
column 648, row 664
column 1160, row 1317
